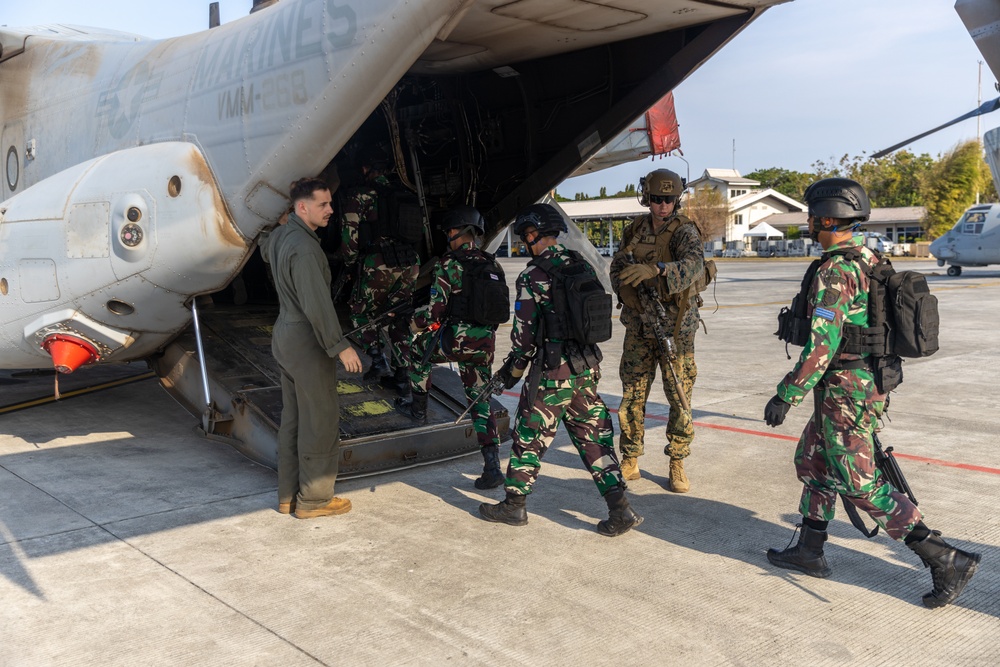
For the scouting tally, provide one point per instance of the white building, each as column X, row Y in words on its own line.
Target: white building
column 748, row 204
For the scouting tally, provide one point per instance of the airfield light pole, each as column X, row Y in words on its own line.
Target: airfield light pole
column 688, row 168
column 979, row 137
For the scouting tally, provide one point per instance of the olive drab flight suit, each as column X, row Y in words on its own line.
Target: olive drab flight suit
column 835, row 454
column 379, row 280
column 471, row 345
column 306, row 341
column 679, row 246
column 563, row 396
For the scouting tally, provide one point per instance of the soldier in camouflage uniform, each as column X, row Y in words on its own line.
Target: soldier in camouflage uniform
column 835, row 454
column 386, row 271
column 669, row 258
column 306, row 343
column 560, row 394
column 441, row 334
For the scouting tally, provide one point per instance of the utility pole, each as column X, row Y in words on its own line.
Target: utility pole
column 979, row 103
column 734, row 154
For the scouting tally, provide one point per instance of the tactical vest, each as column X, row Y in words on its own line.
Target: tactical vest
column 902, row 319
column 484, row 298
column 394, row 226
column 653, row 248
column 580, row 316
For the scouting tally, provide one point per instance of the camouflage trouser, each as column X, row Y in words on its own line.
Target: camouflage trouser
column 640, row 357
column 475, row 362
column 838, row 457
column 377, row 284
column 576, row 403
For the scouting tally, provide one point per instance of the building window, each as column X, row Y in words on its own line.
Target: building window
column 738, row 219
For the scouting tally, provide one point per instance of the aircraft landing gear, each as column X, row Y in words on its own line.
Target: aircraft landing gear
column 954, row 271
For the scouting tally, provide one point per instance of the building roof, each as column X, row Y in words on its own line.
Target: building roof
column 743, row 201
column 603, row 209
column 729, row 176
column 893, row 215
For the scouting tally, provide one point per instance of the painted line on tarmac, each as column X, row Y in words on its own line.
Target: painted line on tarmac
column 794, row 438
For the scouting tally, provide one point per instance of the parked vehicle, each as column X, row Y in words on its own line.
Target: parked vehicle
column 880, row 242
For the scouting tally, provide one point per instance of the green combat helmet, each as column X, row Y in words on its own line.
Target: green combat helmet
column 662, row 183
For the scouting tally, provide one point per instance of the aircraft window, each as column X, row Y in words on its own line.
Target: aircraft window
column 12, row 168
column 976, row 217
column 972, row 228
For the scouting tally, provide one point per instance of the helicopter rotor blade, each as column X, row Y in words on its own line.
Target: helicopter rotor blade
column 985, row 108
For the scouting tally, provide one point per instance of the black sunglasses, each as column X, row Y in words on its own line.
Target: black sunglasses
column 657, row 199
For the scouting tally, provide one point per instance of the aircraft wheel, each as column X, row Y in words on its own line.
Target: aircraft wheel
column 954, row 271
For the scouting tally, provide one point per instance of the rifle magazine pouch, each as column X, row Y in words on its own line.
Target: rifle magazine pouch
column 552, row 355
column 888, row 373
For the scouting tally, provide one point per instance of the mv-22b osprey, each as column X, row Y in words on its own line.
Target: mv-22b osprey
column 138, row 174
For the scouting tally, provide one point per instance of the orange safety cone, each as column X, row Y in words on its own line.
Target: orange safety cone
column 68, row 352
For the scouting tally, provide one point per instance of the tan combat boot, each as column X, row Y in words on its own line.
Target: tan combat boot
column 335, row 506
column 630, row 468
column 678, row 480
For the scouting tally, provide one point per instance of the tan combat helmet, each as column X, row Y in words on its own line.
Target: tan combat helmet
column 661, row 182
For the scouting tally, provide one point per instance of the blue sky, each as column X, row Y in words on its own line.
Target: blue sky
column 809, row 80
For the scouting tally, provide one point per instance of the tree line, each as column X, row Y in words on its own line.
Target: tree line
column 946, row 186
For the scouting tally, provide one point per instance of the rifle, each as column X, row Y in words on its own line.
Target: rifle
column 886, row 463
column 654, row 315
column 493, row 386
column 343, row 275
column 402, row 309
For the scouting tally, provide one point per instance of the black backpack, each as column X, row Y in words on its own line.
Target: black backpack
column 485, row 297
column 581, row 297
column 915, row 311
column 399, row 215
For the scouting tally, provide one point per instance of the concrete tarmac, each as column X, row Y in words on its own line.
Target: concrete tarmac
column 125, row 538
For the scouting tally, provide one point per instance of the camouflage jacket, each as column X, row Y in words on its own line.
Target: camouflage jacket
column 446, row 284
column 838, row 296
column 358, row 210
column 534, row 300
column 688, row 264
column 302, row 279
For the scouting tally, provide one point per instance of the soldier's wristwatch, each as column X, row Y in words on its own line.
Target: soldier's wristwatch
column 661, row 267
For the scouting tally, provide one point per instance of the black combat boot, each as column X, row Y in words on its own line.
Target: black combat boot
column 951, row 568
column 510, row 511
column 621, row 517
column 400, row 381
column 380, row 365
column 415, row 407
column 492, row 477
column 806, row 556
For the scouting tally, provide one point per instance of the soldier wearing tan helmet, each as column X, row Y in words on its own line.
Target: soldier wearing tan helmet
column 663, row 250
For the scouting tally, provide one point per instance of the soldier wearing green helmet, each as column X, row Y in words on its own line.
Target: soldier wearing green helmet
column 662, row 249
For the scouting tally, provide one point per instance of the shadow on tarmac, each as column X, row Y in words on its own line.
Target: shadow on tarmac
column 736, row 533
column 96, row 493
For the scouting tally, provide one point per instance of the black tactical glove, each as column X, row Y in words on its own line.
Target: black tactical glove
column 775, row 411
column 509, row 374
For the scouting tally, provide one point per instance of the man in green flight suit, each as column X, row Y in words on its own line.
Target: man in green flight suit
column 835, row 455
column 664, row 251
column 307, row 342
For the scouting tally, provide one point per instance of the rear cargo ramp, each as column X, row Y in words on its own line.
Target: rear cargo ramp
column 244, row 384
